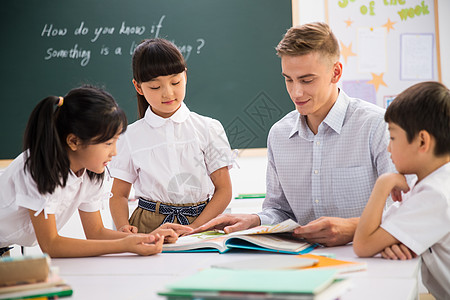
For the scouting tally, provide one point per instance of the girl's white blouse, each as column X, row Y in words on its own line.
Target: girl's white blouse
column 19, row 194
column 170, row 159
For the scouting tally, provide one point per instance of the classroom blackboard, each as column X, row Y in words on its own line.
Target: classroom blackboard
column 234, row 74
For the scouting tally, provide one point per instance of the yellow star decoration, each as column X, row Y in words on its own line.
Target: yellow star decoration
column 346, row 51
column 348, row 22
column 377, row 80
column 389, row 25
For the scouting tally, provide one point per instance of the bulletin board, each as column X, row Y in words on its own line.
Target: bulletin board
column 386, row 46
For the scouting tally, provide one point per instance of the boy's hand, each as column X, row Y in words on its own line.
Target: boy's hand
column 143, row 244
column 128, row 229
column 398, row 251
column 396, row 183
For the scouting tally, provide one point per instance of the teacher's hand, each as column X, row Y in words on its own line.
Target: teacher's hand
column 230, row 223
column 328, row 231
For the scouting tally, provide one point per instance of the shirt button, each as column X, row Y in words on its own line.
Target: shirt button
column 316, row 171
column 317, row 143
column 317, row 200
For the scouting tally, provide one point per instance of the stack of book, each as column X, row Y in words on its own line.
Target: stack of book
column 303, row 277
column 23, row 277
column 216, row 283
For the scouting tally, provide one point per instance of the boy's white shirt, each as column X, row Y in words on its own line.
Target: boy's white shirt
column 422, row 223
column 19, row 194
column 170, row 159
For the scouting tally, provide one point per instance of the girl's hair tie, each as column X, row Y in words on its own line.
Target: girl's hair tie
column 60, row 102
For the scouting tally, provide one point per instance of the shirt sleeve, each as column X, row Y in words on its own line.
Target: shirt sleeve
column 381, row 157
column 419, row 221
column 276, row 208
column 97, row 193
column 217, row 152
column 378, row 146
column 28, row 196
column 121, row 165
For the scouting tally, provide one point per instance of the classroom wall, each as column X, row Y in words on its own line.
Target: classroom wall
column 310, row 11
column 444, row 35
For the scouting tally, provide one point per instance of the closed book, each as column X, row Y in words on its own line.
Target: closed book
column 342, row 266
column 23, row 269
column 260, row 284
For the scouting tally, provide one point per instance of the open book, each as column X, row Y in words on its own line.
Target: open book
column 275, row 238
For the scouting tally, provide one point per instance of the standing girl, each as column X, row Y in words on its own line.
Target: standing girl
column 68, row 142
column 177, row 160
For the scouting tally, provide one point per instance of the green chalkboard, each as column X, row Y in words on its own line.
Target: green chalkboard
column 49, row 47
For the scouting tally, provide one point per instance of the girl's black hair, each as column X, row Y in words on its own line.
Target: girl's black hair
column 153, row 58
column 89, row 113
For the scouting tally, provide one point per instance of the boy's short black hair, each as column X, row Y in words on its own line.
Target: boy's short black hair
column 423, row 106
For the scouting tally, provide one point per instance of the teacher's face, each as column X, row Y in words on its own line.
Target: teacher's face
column 311, row 83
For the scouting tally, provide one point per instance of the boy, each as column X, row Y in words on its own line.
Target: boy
column 419, row 125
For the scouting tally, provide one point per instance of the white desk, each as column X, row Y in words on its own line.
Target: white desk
column 137, row 277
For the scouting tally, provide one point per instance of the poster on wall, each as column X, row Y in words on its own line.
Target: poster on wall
column 386, row 46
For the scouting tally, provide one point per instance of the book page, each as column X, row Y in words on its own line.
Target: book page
column 216, row 238
column 285, row 226
column 206, row 239
column 272, row 241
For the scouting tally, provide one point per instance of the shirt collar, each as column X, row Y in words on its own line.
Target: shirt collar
column 73, row 178
column 334, row 119
column 178, row 117
column 336, row 115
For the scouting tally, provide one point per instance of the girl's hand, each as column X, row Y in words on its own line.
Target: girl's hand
column 128, row 229
column 398, row 251
column 144, row 244
column 172, row 231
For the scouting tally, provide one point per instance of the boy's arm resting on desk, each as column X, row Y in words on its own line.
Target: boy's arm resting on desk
column 58, row 246
column 220, row 200
column 370, row 238
column 398, row 251
column 119, row 205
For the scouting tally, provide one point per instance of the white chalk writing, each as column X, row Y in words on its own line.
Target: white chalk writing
column 84, row 53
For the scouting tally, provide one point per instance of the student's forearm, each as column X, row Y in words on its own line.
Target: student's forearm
column 370, row 238
column 119, row 210
column 216, row 206
column 371, row 217
column 106, row 234
column 68, row 247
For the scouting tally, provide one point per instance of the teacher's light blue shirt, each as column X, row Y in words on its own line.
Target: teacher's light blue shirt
column 331, row 173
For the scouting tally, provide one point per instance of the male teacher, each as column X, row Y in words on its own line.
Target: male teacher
column 323, row 158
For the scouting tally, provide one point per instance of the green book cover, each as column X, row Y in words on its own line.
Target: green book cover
column 269, row 281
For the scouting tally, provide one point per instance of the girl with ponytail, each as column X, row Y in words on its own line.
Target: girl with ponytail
column 68, row 143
